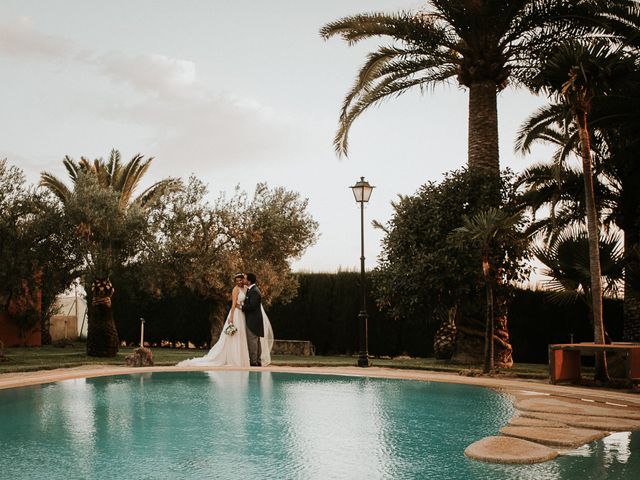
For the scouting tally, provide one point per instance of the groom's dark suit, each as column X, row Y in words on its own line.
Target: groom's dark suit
column 253, row 311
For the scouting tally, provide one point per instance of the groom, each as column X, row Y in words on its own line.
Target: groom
column 252, row 309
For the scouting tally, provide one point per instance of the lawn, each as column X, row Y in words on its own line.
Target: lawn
column 49, row 357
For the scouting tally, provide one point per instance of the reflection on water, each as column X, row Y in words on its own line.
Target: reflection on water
column 617, row 448
column 346, row 426
column 78, row 409
column 241, row 424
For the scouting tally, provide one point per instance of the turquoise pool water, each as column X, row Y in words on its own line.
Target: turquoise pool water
column 270, row 425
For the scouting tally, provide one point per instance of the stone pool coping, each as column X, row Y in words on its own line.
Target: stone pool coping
column 562, row 404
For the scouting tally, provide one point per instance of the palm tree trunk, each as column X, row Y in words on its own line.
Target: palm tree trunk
column 488, row 332
column 483, row 129
column 102, row 334
column 503, row 355
column 594, row 252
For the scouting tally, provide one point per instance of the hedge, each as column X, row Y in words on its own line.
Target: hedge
column 325, row 312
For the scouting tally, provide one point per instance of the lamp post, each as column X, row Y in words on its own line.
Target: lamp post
column 362, row 192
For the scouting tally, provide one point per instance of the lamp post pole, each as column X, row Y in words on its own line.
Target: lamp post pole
column 362, row 192
column 363, row 356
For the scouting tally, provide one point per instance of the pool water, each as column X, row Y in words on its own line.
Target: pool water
column 231, row 424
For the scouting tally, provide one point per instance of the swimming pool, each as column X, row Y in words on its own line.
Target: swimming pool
column 239, row 424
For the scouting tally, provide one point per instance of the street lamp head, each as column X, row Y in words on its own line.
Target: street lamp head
column 362, row 190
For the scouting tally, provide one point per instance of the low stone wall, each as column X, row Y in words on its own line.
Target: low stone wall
column 293, row 347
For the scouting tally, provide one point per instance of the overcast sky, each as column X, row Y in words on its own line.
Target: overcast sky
column 235, row 92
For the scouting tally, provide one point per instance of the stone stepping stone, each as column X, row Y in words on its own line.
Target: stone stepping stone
column 558, row 405
column 509, row 450
column 535, row 421
column 568, row 437
column 582, row 421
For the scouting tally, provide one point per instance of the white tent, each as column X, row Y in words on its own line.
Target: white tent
column 70, row 319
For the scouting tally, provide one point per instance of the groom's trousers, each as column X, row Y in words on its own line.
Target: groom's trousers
column 253, row 342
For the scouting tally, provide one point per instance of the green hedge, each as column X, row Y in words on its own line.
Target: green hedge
column 182, row 317
column 535, row 322
column 326, row 310
column 326, row 313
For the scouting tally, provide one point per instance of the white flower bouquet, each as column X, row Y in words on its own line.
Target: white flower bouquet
column 231, row 329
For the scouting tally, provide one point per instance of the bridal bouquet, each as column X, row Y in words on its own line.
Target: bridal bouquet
column 231, row 329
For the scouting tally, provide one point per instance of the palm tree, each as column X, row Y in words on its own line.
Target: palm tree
column 482, row 44
column 487, row 229
column 575, row 73
column 103, row 252
column 615, row 123
column 112, row 174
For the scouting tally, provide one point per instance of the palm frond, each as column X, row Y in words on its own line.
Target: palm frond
column 71, row 167
column 55, row 186
column 113, row 165
column 155, row 192
column 392, row 85
column 566, row 260
column 539, row 127
column 129, row 177
column 483, row 227
column 404, row 27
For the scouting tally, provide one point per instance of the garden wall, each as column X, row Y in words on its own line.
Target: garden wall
column 11, row 337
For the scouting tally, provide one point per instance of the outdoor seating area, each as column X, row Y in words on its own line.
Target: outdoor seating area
column 565, row 360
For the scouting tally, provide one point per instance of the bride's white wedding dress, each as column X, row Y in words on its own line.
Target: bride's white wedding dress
column 232, row 350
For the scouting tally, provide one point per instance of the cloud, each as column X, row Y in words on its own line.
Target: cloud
column 181, row 115
column 151, row 73
column 188, row 119
column 20, row 39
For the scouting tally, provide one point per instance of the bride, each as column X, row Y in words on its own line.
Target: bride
column 231, row 348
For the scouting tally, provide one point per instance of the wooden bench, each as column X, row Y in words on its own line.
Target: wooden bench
column 565, row 360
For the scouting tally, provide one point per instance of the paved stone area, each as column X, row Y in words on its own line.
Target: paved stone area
column 567, row 437
column 573, row 407
column 581, row 414
column 582, row 421
column 534, row 422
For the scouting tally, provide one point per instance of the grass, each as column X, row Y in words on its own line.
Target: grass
column 26, row 359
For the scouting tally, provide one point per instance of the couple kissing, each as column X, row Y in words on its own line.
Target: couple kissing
column 247, row 337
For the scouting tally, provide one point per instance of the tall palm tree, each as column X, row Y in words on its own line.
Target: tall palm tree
column 482, row 44
column 615, row 127
column 575, row 73
column 103, row 252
